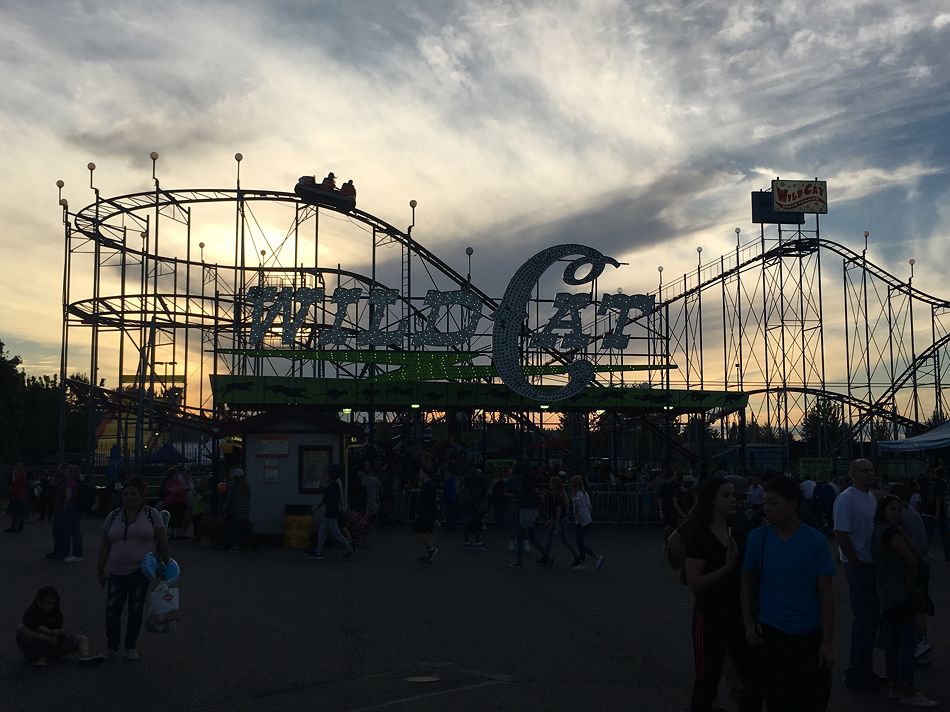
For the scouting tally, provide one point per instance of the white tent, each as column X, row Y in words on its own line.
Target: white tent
column 937, row 438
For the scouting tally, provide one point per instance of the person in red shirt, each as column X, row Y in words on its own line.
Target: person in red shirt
column 175, row 491
column 18, row 499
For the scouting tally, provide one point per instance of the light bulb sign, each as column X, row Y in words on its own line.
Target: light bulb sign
column 563, row 330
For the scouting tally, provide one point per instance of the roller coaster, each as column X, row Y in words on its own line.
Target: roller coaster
column 790, row 320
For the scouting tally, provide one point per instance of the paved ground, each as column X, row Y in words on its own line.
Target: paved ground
column 271, row 630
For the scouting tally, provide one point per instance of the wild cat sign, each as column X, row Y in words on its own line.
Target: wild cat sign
column 289, row 310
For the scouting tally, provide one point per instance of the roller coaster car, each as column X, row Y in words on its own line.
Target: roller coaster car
column 316, row 194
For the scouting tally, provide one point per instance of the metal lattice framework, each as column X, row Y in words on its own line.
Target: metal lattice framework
column 795, row 320
column 146, row 313
column 791, row 319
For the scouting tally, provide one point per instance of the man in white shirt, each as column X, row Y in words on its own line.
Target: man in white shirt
column 756, row 494
column 808, row 488
column 854, row 530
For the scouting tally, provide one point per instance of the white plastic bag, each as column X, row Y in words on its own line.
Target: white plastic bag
column 162, row 610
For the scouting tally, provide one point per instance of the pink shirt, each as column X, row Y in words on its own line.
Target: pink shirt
column 130, row 541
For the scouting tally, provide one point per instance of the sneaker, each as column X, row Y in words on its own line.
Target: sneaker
column 467, row 545
column 109, row 654
column 480, row 546
column 917, row 699
column 132, row 654
column 350, row 556
column 600, row 563
column 516, row 565
column 73, row 559
column 315, row 555
column 578, row 566
column 90, row 661
column 425, row 559
column 432, row 552
column 923, row 647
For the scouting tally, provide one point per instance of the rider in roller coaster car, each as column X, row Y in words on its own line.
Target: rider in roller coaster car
column 326, row 192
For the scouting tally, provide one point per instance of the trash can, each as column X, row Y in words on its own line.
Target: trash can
column 298, row 523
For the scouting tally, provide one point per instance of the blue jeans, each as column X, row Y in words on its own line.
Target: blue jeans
column 72, row 532
column 900, row 642
column 129, row 589
column 331, row 527
column 561, row 526
column 862, row 590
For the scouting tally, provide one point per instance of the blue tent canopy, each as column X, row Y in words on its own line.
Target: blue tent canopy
column 937, row 438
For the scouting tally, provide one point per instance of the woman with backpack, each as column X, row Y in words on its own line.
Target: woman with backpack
column 713, row 573
column 129, row 533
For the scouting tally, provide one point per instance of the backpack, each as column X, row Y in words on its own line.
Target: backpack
column 117, row 512
column 86, row 497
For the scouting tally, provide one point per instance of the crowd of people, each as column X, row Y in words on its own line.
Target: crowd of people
column 757, row 559
column 755, row 554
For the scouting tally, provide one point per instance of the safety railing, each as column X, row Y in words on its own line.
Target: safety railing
column 607, row 507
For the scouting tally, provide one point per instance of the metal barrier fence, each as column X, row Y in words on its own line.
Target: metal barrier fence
column 607, row 507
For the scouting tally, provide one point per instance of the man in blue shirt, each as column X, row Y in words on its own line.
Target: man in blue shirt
column 787, row 604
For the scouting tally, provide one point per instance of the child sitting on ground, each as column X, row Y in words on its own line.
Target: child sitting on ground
column 41, row 637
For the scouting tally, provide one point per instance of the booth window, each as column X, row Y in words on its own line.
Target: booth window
column 313, row 461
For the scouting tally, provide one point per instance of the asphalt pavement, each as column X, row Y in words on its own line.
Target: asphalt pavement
column 272, row 630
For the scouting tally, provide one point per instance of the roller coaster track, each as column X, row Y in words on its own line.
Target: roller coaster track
column 796, row 248
column 112, row 208
column 880, row 357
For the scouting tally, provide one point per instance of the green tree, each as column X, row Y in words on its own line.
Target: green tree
column 880, row 429
column 821, row 426
column 12, row 385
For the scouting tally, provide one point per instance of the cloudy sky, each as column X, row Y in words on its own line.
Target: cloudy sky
column 636, row 127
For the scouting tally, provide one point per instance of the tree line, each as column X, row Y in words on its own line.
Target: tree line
column 29, row 414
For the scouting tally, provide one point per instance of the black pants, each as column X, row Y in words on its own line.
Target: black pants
column 790, row 673
column 18, row 514
column 473, row 525
column 121, row 589
column 715, row 635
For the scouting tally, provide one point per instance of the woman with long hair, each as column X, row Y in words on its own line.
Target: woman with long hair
column 559, row 506
column 713, row 575
column 41, row 636
column 129, row 533
column 580, row 500
column 896, row 562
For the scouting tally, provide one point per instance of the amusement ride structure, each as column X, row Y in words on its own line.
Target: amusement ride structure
column 786, row 323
